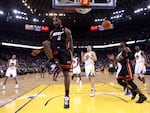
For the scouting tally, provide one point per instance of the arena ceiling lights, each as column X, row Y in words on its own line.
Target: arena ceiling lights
column 24, row 2
column 35, row 20
column 1, row 12
column 40, row 47
column 20, row 15
column 21, row 45
column 55, row 14
column 120, row 13
column 76, row 47
column 19, row 12
column 112, row 45
column 139, row 10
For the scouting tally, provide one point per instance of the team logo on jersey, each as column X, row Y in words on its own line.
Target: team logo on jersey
column 57, row 33
column 59, row 38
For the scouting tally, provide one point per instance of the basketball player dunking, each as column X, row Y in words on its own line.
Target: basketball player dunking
column 60, row 47
column 89, row 58
column 11, row 71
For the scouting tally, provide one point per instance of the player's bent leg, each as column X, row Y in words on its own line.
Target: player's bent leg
column 47, row 49
column 136, row 91
column 124, row 84
column 16, row 86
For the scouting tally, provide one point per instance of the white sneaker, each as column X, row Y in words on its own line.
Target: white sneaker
column 92, row 93
column 4, row 87
column 66, row 102
column 78, row 80
column 16, row 86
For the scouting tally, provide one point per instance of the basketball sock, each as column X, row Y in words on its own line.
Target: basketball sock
column 67, row 93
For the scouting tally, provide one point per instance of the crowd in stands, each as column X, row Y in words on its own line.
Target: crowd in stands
column 26, row 62
column 31, row 64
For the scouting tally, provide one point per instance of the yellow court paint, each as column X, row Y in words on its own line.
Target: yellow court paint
column 109, row 98
column 18, row 102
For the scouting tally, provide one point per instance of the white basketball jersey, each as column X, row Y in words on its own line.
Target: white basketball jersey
column 75, row 62
column 139, row 57
column 13, row 62
column 89, row 60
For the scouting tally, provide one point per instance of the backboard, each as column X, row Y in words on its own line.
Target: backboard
column 94, row 4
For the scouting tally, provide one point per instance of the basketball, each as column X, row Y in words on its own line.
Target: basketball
column 106, row 24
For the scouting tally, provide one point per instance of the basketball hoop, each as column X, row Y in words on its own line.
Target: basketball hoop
column 84, row 4
column 69, row 9
column 94, row 4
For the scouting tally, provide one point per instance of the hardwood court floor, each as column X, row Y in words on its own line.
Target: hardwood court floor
column 37, row 95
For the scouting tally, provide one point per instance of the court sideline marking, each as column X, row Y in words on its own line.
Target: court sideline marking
column 32, row 98
column 19, row 96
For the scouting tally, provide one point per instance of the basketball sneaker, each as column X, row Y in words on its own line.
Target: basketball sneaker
column 49, row 63
column 133, row 92
column 92, row 93
column 66, row 102
column 4, row 87
column 80, row 82
column 16, row 86
column 53, row 65
column 78, row 79
column 127, row 92
column 141, row 99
